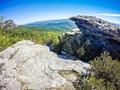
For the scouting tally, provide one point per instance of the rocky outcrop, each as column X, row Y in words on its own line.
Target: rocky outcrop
column 30, row 66
column 100, row 35
column 9, row 24
column 96, row 27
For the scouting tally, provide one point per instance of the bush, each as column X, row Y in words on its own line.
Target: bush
column 105, row 74
column 108, row 69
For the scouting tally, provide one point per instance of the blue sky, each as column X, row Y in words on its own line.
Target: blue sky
column 25, row 11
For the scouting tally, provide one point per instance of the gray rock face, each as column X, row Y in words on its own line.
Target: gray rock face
column 102, row 35
column 27, row 65
column 9, row 24
column 97, row 27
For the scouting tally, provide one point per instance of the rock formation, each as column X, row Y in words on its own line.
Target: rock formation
column 30, row 66
column 96, row 27
column 100, row 34
column 9, row 24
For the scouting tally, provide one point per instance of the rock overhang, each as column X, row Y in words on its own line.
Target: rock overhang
column 91, row 25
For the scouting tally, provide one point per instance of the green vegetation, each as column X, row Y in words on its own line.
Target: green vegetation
column 9, row 37
column 87, row 51
column 105, row 75
column 61, row 25
column 84, row 50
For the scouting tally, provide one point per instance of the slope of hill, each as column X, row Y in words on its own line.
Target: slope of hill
column 60, row 25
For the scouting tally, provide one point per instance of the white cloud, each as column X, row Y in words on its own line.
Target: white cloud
column 110, row 17
column 108, row 14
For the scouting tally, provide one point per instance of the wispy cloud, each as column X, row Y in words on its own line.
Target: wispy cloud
column 108, row 14
column 110, row 17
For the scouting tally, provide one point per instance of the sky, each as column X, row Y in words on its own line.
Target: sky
column 27, row 11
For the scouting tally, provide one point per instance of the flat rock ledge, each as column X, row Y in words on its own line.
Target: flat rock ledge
column 30, row 66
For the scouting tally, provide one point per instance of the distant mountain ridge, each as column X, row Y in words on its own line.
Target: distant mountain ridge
column 54, row 25
column 118, row 25
column 47, row 22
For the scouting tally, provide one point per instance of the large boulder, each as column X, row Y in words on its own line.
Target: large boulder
column 93, row 37
column 9, row 24
column 30, row 66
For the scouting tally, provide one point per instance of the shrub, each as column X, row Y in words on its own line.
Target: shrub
column 105, row 74
column 108, row 69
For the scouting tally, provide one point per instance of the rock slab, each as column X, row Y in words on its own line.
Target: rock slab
column 30, row 66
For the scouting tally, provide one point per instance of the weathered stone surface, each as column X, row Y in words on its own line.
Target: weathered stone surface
column 8, row 75
column 93, row 26
column 29, row 66
column 9, row 24
column 100, row 34
column 71, row 78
